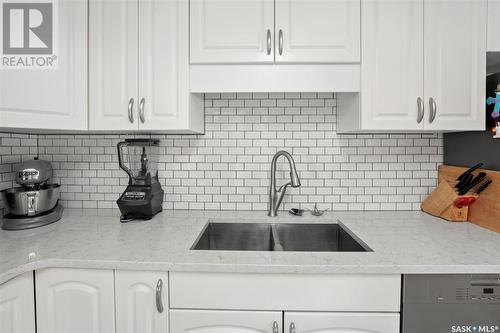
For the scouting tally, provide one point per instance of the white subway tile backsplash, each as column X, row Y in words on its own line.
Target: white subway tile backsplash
column 228, row 167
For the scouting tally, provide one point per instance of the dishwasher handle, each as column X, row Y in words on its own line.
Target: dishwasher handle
column 485, row 282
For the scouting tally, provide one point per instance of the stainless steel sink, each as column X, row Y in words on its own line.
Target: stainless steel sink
column 310, row 237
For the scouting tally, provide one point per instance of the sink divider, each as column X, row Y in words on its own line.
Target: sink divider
column 276, row 239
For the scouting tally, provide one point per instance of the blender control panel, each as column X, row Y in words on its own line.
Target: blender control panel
column 134, row 196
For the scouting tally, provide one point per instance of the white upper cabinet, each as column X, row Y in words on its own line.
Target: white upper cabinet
column 455, row 64
column 139, row 67
column 75, row 300
column 141, row 302
column 392, row 64
column 493, row 25
column 207, row 321
column 52, row 98
column 113, row 64
column 423, row 67
column 17, row 305
column 164, row 100
column 324, row 322
column 317, row 31
column 232, row 31
column 281, row 31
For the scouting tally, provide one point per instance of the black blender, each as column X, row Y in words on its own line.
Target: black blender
column 143, row 196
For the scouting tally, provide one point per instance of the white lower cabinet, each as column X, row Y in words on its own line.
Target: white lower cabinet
column 226, row 321
column 208, row 321
column 75, row 300
column 106, row 301
column 17, row 305
column 324, row 322
column 141, row 302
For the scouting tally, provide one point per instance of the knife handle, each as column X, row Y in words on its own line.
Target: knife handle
column 484, row 186
column 469, row 171
column 470, row 185
column 464, row 181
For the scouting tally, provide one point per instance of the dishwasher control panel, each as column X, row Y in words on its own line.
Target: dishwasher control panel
column 451, row 288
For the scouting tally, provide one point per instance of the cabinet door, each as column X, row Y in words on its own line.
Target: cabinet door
column 137, row 308
column 232, row 31
column 51, row 98
column 164, row 99
column 393, row 65
column 113, row 64
column 75, row 300
column 324, row 322
column 317, row 31
column 205, row 321
column 17, row 305
column 493, row 26
column 455, row 64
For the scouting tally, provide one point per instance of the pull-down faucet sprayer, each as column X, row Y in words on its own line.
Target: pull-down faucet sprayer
column 276, row 195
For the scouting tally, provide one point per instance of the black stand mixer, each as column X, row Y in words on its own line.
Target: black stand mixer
column 143, row 196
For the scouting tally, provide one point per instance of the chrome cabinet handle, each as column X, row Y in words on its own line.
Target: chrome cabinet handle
column 159, row 302
column 420, row 104
column 280, row 42
column 130, row 110
column 269, row 41
column 292, row 327
column 275, row 327
column 141, row 110
column 433, row 108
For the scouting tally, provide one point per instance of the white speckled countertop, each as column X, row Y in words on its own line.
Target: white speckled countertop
column 402, row 242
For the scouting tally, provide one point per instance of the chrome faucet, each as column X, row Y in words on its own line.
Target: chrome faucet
column 276, row 196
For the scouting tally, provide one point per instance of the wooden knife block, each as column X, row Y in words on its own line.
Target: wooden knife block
column 441, row 203
column 485, row 212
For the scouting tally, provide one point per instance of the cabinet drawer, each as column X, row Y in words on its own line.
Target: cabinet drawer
column 239, row 291
column 341, row 322
column 208, row 321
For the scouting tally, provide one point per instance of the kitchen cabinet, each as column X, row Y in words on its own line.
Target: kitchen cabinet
column 493, row 26
column 207, row 321
column 114, row 64
column 392, row 72
column 317, row 31
column 141, row 302
column 139, row 67
column 282, row 31
column 75, row 300
column 228, row 31
column 17, row 305
column 235, row 291
column 431, row 79
column 455, row 65
column 51, row 98
column 304, row 322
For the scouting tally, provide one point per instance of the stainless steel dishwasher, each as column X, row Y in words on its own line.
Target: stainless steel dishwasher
column 451, row 303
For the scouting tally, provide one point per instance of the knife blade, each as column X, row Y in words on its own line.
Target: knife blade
column 469, row 171
column 484, row 186
column 466, row 188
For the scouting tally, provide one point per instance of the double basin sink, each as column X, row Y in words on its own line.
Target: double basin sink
column 305, row 237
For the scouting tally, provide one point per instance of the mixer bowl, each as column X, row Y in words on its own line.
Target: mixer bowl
column 22, row 201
